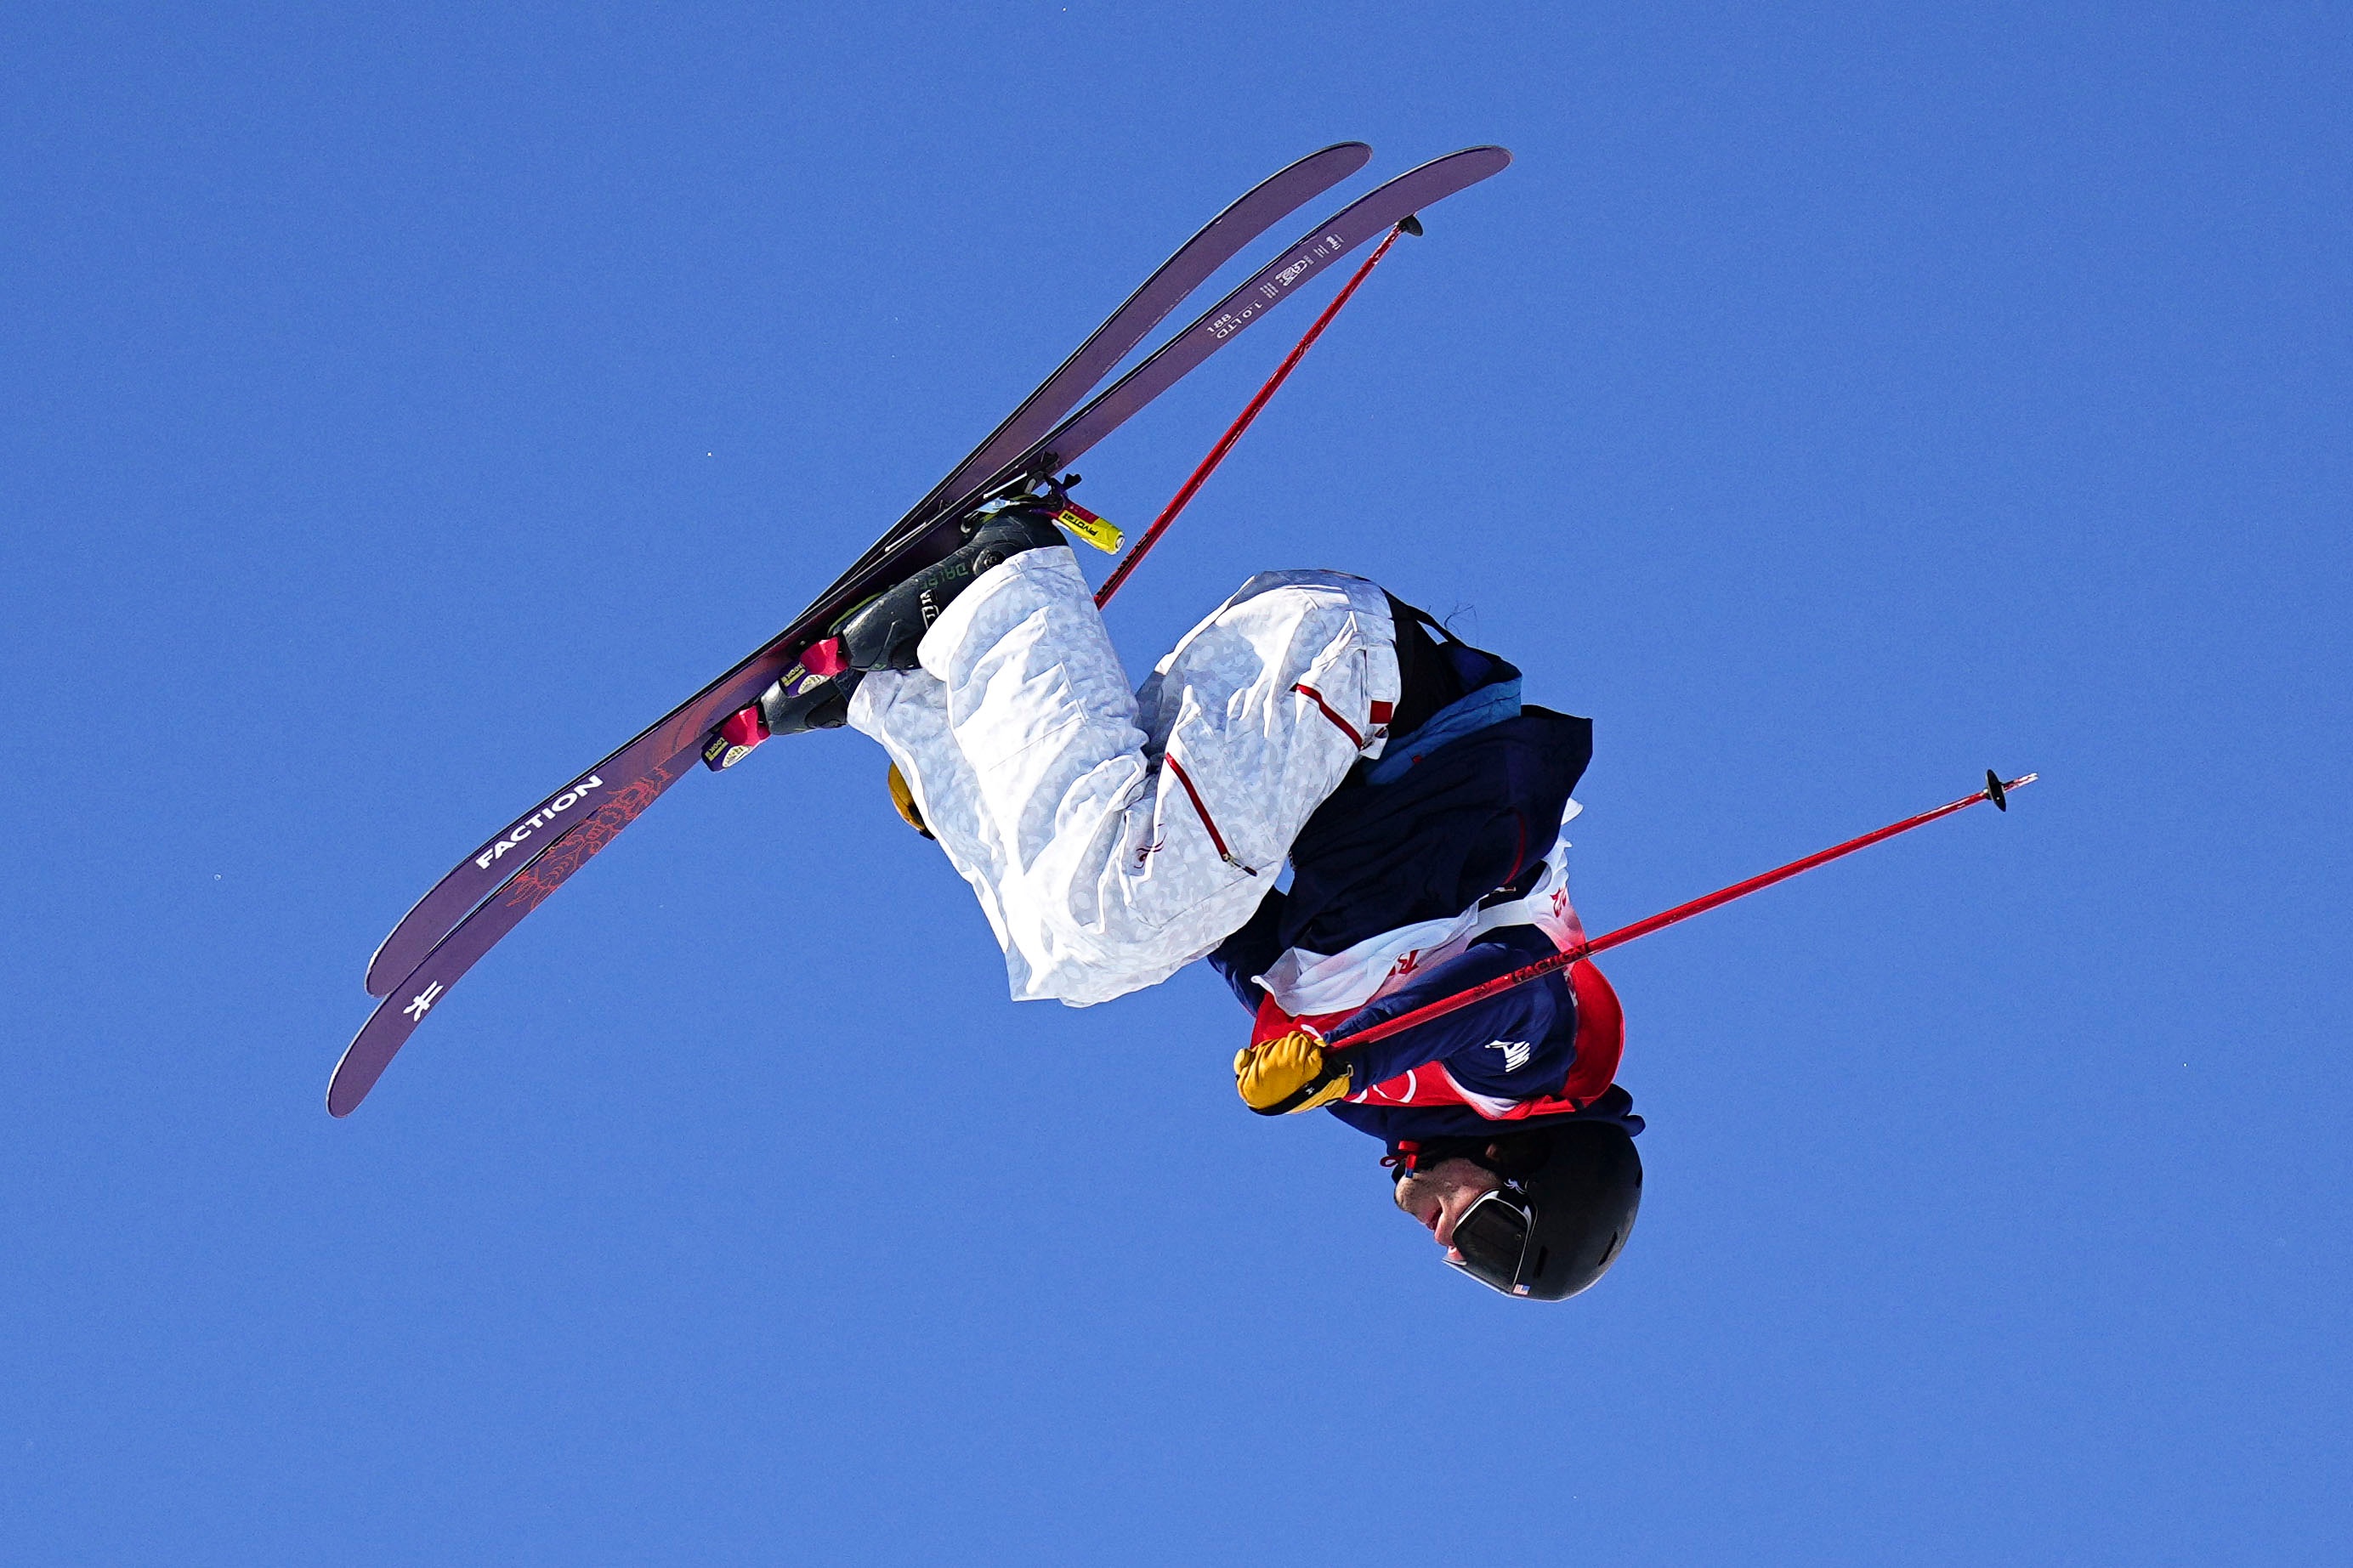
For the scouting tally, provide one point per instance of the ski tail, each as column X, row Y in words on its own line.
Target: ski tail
column 1382, row 209
column 1310, row 255
column 1208, row 465
column 1267, row 204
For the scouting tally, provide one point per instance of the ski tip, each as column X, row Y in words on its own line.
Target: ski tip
column 384, row 967
column 353, row 1076
column 378, row 981
column 373, row 1048
column 345, row 1089
column 1410, row 224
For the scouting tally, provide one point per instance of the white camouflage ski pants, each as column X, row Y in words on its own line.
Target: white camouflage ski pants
column 1114, row 839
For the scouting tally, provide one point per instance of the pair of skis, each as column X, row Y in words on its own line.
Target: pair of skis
column 487, row 894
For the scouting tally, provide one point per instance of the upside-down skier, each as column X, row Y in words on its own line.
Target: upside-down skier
column 1423, row 977
column 1113, row 837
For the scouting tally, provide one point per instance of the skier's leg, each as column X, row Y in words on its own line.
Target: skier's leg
column 1271, row 699
column 1106, row 859
column 1015, row 736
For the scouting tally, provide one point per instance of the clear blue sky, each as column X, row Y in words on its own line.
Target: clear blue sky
column 404, row 407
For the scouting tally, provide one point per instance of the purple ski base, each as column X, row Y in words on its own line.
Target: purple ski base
column 634, row 776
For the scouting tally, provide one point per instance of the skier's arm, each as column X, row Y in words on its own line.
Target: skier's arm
column 1526, row 1013
column 1300, row 1071
column 1250, row 952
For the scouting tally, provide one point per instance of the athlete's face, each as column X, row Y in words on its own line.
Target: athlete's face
column 1439, row 1196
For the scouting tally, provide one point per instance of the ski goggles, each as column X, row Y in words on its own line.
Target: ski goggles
column 1492, row 1237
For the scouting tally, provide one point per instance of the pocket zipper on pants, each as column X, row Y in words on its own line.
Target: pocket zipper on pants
column 1215, row 838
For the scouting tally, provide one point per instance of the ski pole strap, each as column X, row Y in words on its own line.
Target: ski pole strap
column 1234, row 432
column 1996, row 790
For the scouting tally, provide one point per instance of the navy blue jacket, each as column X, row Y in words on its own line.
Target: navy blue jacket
column 1463, row 818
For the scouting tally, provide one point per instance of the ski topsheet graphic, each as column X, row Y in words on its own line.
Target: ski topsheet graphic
column 489, row 892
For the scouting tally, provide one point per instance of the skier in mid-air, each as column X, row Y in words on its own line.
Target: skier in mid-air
column 1114, row 837
column 1423, row 977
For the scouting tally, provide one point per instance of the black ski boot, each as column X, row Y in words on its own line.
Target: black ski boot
column 883, row 635
column 802, row 699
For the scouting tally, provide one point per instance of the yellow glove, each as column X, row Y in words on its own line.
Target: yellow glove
column 1289, row 1074
column 904, row 799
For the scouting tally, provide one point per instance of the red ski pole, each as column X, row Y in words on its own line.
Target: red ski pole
column 1234, row 433
column 1996, row 790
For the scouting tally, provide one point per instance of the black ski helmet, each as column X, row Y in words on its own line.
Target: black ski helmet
column 1568, row 1204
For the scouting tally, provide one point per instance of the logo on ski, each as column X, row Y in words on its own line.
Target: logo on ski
column 545, row 813
column 1225, row 323
column 422, row 1002
column 1329, row 244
